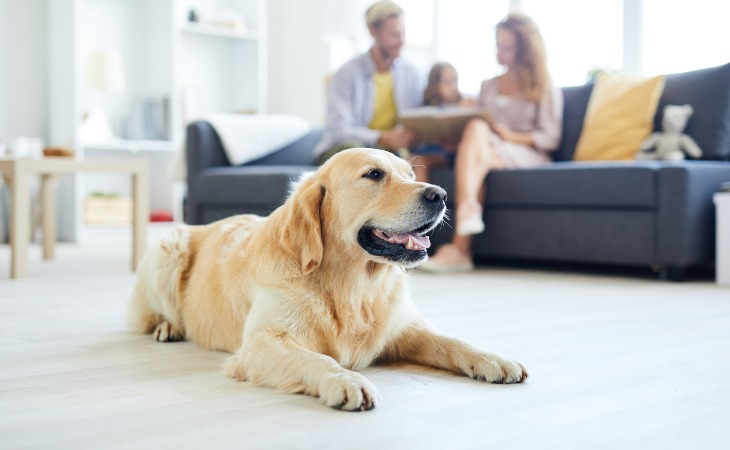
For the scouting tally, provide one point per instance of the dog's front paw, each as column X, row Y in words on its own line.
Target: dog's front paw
column 349, row 391
column 497, row 369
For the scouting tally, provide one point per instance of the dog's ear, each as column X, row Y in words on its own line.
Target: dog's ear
column 301, row 234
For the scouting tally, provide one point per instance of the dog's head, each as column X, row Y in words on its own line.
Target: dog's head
column 365, row 202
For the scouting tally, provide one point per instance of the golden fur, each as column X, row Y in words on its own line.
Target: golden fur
column 294, row 296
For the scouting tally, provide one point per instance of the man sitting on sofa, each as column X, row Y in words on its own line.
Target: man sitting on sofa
column 366, row 93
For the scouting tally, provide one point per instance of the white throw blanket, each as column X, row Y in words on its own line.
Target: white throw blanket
column 249, row 137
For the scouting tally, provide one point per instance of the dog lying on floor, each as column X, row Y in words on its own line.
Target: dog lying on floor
column 317, row 290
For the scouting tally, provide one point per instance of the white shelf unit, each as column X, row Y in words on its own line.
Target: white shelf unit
column 217, row 31
column 164, row 55
column 133, row 146
column 224, row 68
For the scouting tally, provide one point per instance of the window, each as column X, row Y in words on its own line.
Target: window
column 687, row 37
column 418, row 22
column 575, row 46
column 465, row 38
column 580, row 36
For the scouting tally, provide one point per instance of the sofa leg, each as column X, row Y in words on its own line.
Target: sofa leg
column 673, row 274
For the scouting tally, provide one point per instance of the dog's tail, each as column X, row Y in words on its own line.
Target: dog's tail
column 156, row 294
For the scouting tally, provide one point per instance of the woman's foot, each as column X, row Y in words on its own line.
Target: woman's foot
column 448, row 259
column 469, row 219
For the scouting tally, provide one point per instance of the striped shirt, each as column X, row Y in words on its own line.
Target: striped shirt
column 351, row 96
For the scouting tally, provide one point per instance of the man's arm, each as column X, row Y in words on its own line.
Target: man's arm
column 342, row 103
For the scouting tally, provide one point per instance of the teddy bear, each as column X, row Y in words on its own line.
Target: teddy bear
column 669, row 143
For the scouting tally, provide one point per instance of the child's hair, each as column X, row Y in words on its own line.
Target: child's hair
column 431, row 95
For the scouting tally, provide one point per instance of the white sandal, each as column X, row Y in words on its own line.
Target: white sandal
column 469, row 219
column 448, row 259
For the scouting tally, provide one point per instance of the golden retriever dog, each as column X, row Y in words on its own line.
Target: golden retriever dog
column 314, row 292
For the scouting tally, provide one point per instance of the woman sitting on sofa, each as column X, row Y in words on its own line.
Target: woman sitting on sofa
column 527, row 110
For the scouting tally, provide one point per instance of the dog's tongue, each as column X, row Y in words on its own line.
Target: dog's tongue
column 423, row 242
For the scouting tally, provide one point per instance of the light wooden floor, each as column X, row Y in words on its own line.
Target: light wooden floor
column 615, row 362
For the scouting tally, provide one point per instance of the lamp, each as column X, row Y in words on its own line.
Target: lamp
column 104, row 73
column 104, row 70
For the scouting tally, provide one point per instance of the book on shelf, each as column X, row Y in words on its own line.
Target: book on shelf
column 149, row 119
column 434, row 124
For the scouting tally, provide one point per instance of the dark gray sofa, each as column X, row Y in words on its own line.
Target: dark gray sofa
column 643, row 213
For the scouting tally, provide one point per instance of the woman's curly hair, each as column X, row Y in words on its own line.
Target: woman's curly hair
column 530, row 59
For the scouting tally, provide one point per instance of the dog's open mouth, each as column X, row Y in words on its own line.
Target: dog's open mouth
column 398, row 246
column 411, row 241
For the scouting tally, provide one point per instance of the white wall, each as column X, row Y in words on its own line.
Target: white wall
column 23, row 69
column 301, row 55
column 298, row 58
column 309, row 40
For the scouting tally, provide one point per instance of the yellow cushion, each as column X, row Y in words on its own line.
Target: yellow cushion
column 620, row 116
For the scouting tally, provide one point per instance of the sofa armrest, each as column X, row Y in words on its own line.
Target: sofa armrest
column 686, row 215
column 203, row 148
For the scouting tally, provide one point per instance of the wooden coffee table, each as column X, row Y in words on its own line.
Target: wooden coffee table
column 18, row 172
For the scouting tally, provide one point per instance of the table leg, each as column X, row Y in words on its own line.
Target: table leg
column 49, row 184
column 19, row 224
column 140, row 216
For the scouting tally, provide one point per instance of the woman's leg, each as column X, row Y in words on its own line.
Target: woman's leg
column 463, row 241
column 475, row 157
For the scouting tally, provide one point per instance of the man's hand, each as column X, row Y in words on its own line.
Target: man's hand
column 396, row 138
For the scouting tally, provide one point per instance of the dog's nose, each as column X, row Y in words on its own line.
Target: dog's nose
column 434, row 194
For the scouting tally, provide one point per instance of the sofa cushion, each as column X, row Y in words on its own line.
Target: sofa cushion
column 708, row 91
column 250, row 185
column 569, row 184
column 574, row 110
column 619, row 117
column 607, row 235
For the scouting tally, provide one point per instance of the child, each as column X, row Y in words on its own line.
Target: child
column 443, row 91
column 443, row 86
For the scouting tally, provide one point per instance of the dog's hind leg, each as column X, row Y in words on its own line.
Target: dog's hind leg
column 142, row 319
column 155, row 307
column 165, row 332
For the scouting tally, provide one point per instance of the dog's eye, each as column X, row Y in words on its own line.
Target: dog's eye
column 374, row 174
